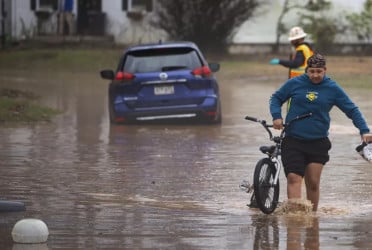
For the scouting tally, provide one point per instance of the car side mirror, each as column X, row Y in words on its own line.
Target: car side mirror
column 107, row 74
column 214, row 67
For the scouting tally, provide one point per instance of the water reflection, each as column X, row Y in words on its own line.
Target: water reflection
column 302, row 232
column 43, row 246
column 168, row 186
column 266, row 232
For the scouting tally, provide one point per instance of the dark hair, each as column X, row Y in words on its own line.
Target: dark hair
column 316, row 61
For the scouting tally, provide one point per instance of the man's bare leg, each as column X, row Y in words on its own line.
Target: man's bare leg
column 312, row 182
column 294, row 182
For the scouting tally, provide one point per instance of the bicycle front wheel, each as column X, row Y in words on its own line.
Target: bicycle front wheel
column 266, row 192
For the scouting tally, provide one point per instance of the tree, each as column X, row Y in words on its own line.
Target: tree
column 321, row 26
column 209, row 23
column 361, row 24
column 314, row 19
column 280, row 26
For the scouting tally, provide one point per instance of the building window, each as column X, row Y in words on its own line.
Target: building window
column 44, row 4
column 137, row 5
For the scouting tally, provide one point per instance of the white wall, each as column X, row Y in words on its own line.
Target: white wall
column 23, row 19
column 262, row 28
column 126, row 30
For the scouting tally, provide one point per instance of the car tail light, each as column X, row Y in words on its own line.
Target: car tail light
column 212, row 113
column 202, row 71
column 119, row 119
column 124, row 76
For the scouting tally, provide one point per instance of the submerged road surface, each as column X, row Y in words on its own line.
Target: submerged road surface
column 169, row 186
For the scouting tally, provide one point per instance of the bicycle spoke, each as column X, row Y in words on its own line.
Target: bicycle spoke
column 267, row 192
column 266, row 182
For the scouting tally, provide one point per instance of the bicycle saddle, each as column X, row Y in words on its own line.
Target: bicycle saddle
column 267, row 149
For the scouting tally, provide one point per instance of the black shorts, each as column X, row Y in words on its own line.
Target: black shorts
column 297, row 154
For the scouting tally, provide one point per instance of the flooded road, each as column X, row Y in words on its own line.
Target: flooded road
column 164, row 186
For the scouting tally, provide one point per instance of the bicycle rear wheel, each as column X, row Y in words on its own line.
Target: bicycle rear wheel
column 267, row 194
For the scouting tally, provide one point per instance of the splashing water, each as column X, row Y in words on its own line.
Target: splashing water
column 295, row 206
column 303, row 207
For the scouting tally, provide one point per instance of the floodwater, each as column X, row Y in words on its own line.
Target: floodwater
column 169, row 186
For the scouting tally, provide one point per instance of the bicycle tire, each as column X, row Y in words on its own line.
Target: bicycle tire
column 267, row 194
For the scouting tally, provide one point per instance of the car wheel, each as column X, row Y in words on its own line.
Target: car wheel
column 218, row 119
column 111, row 114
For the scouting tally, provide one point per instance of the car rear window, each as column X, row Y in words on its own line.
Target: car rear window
column 164, row 59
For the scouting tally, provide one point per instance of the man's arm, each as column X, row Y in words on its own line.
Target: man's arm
column 296, row 62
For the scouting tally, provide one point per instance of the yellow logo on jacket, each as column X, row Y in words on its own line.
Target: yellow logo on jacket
column 311, row 96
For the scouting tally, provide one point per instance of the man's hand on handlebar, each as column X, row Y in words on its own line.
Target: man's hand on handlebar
column 367, row 137
column 278, row 124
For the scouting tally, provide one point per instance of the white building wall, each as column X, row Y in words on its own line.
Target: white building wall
column 126, row 30
column 262, row 29
column 23, row 20
column 25, row 23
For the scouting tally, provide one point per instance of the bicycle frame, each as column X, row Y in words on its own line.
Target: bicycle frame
column 275, row 154
column 266, row 190
column 278, row 165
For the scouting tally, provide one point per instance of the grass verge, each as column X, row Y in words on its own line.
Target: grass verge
column 21, row 107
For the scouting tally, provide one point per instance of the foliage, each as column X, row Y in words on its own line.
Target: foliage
column 361, row 24
column 320, row 25
column 314, row 19
column 209, row 23
column 280, row 26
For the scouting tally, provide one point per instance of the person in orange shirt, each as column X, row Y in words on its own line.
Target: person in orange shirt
column 303, row 51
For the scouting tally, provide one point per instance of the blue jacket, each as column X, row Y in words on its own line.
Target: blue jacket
column 318, row 99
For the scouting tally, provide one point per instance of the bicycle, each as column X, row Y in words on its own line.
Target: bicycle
column 266, row 173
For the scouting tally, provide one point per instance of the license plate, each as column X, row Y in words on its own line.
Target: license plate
column 164, row 90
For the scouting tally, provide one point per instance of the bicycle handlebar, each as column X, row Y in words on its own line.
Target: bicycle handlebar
column 253, row 119
column 267, row 126
column 263, row 122
column 299, row 117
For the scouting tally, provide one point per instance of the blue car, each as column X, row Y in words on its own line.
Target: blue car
column 163, row 81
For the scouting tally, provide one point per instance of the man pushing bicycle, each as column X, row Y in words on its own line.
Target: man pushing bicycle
column 306, row 145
